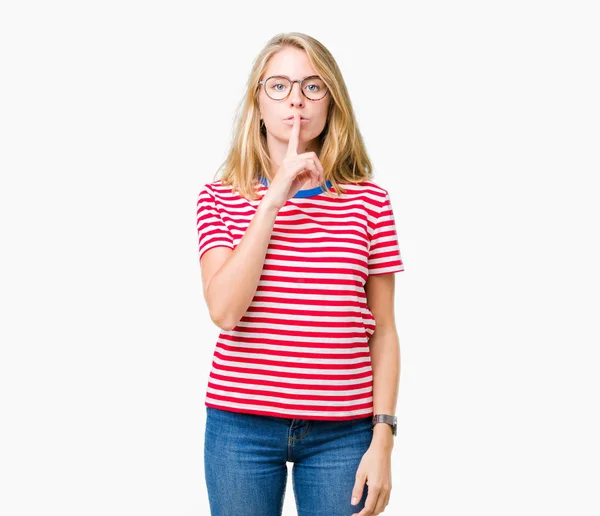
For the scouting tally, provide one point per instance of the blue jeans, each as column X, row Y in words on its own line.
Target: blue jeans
column 245, row 458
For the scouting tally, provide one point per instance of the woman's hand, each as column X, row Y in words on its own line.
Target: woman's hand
column 294, row 171
column 375, row 469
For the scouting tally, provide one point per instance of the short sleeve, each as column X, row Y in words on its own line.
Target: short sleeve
column 212, row 231
column 384, row 252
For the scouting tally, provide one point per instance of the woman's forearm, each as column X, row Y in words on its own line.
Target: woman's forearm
column 385, row 362
column 233, row 286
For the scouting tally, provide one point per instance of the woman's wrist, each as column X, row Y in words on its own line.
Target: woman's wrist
column 268, row 205
column 383, row 436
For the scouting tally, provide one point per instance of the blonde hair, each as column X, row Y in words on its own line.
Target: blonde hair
column 343, row 154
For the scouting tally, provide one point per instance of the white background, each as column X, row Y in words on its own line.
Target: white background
column 482, row 121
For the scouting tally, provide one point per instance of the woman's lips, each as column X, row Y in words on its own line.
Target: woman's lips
column 290, row 121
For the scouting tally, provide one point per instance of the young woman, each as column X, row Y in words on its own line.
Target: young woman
column 298, row 247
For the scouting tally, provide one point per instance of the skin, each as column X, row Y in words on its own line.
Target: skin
column 294, row 63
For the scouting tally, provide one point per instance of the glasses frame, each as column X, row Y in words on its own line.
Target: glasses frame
column 299, row 81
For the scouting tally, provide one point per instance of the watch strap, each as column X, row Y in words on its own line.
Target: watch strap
column 385, row 418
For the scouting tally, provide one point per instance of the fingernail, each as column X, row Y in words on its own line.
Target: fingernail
column 354, row 501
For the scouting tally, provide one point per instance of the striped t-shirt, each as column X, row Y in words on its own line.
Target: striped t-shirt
column 301, row 350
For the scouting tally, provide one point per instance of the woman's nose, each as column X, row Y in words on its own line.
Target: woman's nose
column 296, row 94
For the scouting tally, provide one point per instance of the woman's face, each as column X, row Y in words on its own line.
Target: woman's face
column 293, row 63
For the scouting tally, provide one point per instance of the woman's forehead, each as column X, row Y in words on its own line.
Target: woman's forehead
column 290, row 62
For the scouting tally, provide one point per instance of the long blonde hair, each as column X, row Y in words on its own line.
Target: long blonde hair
column 343, row 152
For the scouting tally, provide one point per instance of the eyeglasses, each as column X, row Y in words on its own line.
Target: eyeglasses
column 278, row 87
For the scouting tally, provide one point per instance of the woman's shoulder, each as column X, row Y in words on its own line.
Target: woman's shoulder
column 217, row 189
column 216, row 185
column 367, row 186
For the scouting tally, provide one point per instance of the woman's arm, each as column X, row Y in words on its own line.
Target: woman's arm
column 384, row 347
column 230, row 277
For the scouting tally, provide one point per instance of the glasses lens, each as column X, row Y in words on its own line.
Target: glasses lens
column 314, row 88
column 279, row 87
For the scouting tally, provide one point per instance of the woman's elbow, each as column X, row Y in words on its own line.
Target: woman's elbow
column 222, row 320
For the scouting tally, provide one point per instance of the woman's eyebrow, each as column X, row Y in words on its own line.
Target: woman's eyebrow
column 287, row 77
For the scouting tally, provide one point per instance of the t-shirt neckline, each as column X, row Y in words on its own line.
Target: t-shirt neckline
column 309, row 192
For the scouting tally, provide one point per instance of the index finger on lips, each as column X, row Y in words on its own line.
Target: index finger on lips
column 292, row 149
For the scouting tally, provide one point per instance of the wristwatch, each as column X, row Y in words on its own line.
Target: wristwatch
column 385, row 418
